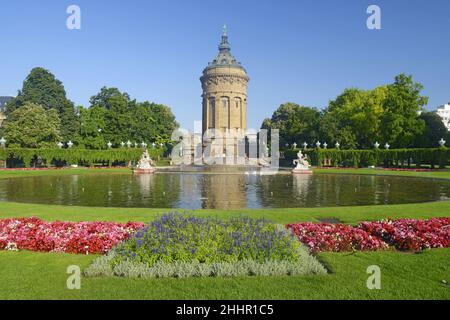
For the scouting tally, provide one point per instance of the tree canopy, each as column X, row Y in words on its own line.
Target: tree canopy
column 42, row 88
column 114, row 117
column 32, row 126
column 434, row 131
column 357, row 118
column 295, row 123
column 111, row 116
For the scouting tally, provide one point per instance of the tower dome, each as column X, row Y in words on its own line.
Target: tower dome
column 224, row 83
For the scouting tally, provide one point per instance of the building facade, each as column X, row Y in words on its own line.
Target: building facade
column 444, row 113
column 3, row 102
column 224, row 84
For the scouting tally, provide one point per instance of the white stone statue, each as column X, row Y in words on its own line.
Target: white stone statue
column 302, row 164
column 145, row 164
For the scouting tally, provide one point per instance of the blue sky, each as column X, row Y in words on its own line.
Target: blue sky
column 301, row 51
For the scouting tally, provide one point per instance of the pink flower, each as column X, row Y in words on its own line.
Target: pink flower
column 70, row 237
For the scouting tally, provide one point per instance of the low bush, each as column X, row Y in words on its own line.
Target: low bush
column 181, row 245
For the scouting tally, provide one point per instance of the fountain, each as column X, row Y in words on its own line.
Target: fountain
column 302, row 164
column 145, row 164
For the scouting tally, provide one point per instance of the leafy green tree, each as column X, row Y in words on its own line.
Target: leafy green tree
column 400, row 122
column 295, row 123
column 434, row 131
column 103, row 98
column 31, row 126
column 114, row 117
column 42, row 88
column 93, row 124
column 356, row 117
column 332, row 131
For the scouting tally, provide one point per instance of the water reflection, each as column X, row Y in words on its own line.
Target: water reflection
column 221, row 191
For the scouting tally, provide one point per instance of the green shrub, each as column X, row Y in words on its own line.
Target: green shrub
column 376, row 157
column 181, row 245
column 76, row 156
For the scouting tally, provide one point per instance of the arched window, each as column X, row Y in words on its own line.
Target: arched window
column 225, row 112
column 212, row 113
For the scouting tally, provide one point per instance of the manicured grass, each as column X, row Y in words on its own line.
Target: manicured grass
column 350, row 215
column 438, row 174
column 26, row 275
column 57, row 172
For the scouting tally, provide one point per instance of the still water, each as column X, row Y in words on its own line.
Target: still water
column 222, row 191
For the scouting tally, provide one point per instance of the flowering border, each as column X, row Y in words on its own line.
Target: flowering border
column 35, row 234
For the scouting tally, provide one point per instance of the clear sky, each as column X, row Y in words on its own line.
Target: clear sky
column 301, row 51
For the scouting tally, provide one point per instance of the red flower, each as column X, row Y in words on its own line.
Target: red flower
column 71, row 237
column 322, row 237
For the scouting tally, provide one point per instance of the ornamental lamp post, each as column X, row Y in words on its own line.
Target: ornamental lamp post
column 153, row 145
column 325, row 145
column 305, row 145
column 376, row 145
column 60, row 145
column 122, row 144
column 135, row 144
column 70, row 144
column 442, row 142
column 387, row 146
column 109, row 144
column 129, row 144
column 161, row 144
column 337, row 145
column 144, row 145
column 318, row 144
column 295, row 145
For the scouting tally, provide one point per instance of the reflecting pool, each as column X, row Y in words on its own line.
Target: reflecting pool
column 222, row 191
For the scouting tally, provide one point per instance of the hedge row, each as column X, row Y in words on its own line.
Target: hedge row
column 377, row 157
column 74, row 156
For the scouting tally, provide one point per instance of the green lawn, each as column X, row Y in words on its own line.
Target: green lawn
column 27, row 275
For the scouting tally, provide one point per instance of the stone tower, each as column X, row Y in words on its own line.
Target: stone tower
column 224, row 83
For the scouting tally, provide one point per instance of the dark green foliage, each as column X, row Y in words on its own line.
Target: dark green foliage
column 296, row 123
column 42, row 88
column 357, row 118
column 77, row 156
column 114, row 117
column 434, row 131
column 376, row 157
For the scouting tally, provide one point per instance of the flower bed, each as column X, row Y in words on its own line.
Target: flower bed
column 323, row 237
column 70, row 237
column 411, row 234
column 179, row 245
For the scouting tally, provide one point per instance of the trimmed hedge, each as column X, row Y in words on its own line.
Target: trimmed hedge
column 75, row 156
column 377, row 157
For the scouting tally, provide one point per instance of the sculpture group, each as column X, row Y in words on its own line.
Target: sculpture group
column 302, row 164
column 145, row 164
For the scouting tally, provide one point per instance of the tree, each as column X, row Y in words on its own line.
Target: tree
column 102, row 98
column 114, row 117
column 31, row 126
column 434, row 131
column 92, row 126
column 295, row 123
column 42, row 88
column 400, row 123
column 354, row 118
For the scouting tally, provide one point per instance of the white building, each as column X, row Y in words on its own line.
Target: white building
column 444, row 113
